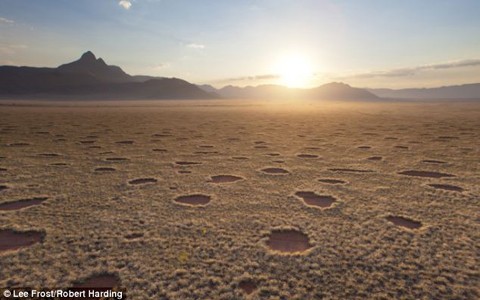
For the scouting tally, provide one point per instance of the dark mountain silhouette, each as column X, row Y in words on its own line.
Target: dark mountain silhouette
column 340, row 91
column 28, row 80
column 207, row 88
column 330, row 91
column 143, row 78
column 89, row 64
column 256, row 92
column 91, row 78
column 466, row 91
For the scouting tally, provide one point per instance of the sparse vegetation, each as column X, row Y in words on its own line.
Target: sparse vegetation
column 114, row 211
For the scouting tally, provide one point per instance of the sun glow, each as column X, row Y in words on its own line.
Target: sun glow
column 295, row 71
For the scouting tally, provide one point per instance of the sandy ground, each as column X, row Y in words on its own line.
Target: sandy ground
column 129, row 218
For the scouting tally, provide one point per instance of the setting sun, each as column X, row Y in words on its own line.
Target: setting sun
column 295, row 71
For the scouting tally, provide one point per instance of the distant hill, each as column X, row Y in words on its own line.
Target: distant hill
column 257, row 92
column 208, row 88
column 340, row 91
column 91, row 78
column 89, row 64
column 330, row 91
column 466, row 91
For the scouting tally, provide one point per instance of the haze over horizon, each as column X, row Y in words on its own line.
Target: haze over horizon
column 294, row 43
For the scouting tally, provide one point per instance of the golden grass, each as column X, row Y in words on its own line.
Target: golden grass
column 86, row 159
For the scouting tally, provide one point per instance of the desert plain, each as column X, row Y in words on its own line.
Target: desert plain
column 232, row 199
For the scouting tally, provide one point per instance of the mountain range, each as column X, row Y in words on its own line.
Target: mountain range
column 465, row 91
column 329, row 91
column 342, row 91
column 91, row 78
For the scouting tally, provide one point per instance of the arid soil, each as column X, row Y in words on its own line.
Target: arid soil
column 236, row 200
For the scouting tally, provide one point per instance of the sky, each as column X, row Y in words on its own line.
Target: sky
column 368, row 43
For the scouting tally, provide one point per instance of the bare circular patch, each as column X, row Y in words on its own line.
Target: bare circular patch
column 162, row 135
column 195, row 199
column 142, row 181
column 350, row 170
column 288, row 241
column 240, row 157
column 187, row 163
column 19, row 204
column 276, row 171
column 332, row 181
column 205, row 152
column 106, row 280
column 404, row 222
column 248, row 286
column 133, row 236
column 429, row 174
column 116, row 159
column 14, row 240
column 49, row 154
column 447, row 187
column 105, row 169
column 433, row 161
column 273, row 154
column 124, row 142
column 307, row 156
column 312, row 199
column 225, row 178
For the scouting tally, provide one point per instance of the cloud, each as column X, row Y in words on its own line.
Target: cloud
column 454, row 64
column 161, row 66
column 126, row 4
column 251, row 78
column 402, row 72
column 389, row 73
column 11, row 49
column 6, row 21
column 195, row 46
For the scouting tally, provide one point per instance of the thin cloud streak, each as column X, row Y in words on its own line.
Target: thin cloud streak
column 6, row 21
column 454, row 64
column 249, row 78
column 11, row 49
column 402, row 72
column 196, row 46
column 161, row 66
